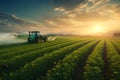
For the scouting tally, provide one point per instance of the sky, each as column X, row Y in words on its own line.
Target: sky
column 82, row 17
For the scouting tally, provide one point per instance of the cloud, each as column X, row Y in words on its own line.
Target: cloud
column 14, row 16
column 59, row 9
column 12, row 23
column 84, row 16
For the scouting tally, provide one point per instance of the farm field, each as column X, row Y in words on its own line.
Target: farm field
column 66, row 58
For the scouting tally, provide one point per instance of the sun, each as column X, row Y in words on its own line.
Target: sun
column 98, row 29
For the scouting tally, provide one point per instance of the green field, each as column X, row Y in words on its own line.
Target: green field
column 66, row 58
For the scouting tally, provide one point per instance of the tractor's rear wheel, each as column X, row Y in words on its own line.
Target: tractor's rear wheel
column 37, row 40
column 45, row 39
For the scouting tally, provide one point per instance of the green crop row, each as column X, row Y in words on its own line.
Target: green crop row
column 64, row 69
column 40, row 66
column 20, row 60
column 94, row 65
column 23, row 46
column 28, row 46
column 27, row 49
column 116, row 45
column 14, row 48
column 114, row 61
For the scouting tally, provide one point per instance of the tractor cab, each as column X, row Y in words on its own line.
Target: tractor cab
column 34, row 36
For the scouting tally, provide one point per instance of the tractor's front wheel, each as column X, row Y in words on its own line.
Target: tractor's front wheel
column 28, row 40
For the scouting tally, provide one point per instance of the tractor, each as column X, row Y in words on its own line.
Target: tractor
column 35, row 37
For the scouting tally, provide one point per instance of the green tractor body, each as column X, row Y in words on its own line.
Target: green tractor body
column 35, row 36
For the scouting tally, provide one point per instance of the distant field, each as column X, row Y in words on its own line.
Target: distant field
column 66, row 58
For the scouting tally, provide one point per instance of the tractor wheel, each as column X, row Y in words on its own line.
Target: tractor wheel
column 28, row 40
column 37, row 40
